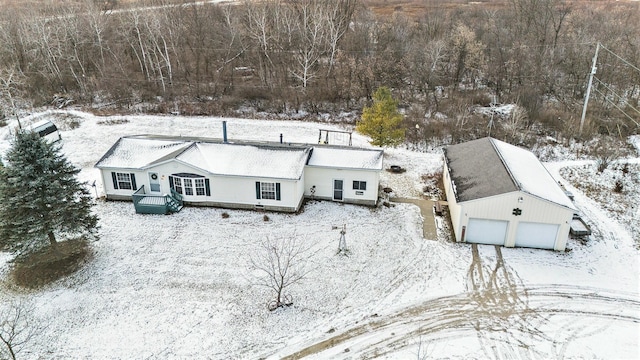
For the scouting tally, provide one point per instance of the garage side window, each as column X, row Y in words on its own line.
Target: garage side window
column 124, row 181
column 359, row 185
column 267, row 190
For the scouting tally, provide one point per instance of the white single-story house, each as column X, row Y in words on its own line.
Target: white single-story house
column 501, row 194
column 162, row 173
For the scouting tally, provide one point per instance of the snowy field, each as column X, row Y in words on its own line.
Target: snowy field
column 180, row 286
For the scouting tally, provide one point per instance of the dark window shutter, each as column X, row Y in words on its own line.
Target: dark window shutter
column 363, row 185
column 171, row 186
column 355, row 185
column 258, row 190
column 115, row 180
column 133, row 181
column 207, row 187
column 277, row 191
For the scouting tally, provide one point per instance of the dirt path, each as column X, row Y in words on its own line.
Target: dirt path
column 507, row 318
column 428, row 219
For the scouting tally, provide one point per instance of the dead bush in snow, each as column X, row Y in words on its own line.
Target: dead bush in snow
column 278, row 264
column 604, row 154
column 16, row 328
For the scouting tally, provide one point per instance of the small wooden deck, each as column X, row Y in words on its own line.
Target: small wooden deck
column 156, row 204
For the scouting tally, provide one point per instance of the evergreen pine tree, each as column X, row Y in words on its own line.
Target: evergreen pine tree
column 40, row 196
column 381, row 121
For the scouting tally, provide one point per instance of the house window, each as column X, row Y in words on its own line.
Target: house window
column 190, row 184
column 359, row 185
column 177, row 185
column 124, row 181
column 200, row 188
column 267, row 190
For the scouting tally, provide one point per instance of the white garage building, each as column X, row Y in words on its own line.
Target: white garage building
column 501, row 194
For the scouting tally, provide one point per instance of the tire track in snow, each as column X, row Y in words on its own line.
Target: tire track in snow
column 449, row 317
column 507, row 317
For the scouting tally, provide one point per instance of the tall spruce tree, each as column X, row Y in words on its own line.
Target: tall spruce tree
column 382, row 121
column 40, row 196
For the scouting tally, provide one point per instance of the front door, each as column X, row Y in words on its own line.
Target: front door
column 154, row 182
column 337, row 189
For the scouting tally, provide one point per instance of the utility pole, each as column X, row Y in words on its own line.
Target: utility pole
column 586, row 98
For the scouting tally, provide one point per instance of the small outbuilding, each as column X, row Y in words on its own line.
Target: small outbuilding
column 501, row 194
column 46, row 130
column 161, row 174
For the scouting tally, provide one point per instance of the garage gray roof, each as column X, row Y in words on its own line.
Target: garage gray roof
column 488, row 167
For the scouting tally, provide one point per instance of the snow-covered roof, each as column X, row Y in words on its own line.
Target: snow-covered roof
column 137, row 153
column 40, row 124
column 247, row 160
column 488, row 167
column 270, row 160
column 346, row 158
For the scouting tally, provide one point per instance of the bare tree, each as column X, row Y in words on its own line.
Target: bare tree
column 338, row 17
column 281, row 262
column 515, row 122
column 10, row 81
column 311, row 39
column 16, row 329
column 466, row 55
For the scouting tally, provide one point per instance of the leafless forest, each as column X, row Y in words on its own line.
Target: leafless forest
column 441, row 59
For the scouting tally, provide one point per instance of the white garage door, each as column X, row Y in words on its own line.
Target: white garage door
column 483, row 231
column 536, row 235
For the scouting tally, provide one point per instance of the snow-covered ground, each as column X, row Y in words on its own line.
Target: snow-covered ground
column 181, row 286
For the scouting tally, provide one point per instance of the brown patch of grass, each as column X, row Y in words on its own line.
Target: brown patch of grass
column 45, row 266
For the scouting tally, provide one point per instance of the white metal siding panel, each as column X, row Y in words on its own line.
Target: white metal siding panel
column 533, row 209
column 455, row 209
column 485, row 231
column 536, row 235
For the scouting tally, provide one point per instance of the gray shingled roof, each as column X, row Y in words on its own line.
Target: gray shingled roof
column 477, row 171
column 488, row 167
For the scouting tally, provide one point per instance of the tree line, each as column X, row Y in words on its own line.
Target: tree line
column 331, row 55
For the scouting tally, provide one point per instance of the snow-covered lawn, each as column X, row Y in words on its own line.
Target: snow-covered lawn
column 180, row 286
column 615, row 189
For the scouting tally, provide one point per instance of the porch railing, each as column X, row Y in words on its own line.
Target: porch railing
column 156, row 204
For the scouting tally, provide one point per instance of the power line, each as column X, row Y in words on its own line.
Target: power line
column 616, row 106
column 621, row 59
column 616, row 94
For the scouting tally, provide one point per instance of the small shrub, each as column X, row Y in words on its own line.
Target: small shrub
column 113, row 121
column 74, row 124
column 618, row 187
column 225, row 215
column 265, row 218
